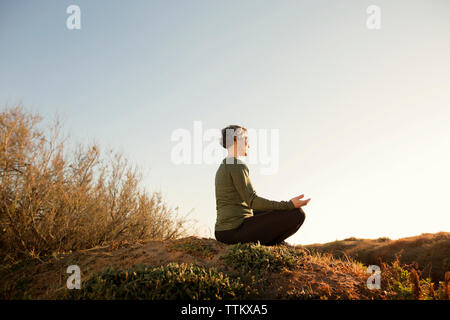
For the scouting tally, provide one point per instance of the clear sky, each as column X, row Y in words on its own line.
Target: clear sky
column 363, row 115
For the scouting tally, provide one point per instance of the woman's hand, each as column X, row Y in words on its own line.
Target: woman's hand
column 300, row 203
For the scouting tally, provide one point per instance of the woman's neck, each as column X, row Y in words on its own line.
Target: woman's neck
column 231, row 155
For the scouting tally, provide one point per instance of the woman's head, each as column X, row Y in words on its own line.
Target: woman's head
column 235, row 140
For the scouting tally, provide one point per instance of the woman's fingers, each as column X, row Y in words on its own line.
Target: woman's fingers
column 300, row 203
column 305, row 202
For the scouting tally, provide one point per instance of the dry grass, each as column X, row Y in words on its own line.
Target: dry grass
column 417, row 290
column 447, row 285
column 431, row 252
column 53, row 199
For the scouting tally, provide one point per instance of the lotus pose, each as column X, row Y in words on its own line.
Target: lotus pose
column 242, row 216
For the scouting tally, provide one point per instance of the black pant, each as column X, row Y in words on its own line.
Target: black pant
column 267, row 227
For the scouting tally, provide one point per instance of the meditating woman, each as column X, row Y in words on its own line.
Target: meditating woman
column 242, row 216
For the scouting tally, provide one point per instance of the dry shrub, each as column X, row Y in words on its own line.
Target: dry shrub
column 432, row 292
column 447, row 285
column 417, row 290
column 53, row 199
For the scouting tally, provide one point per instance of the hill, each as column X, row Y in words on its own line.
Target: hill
column 201, row 268
column 430, row 252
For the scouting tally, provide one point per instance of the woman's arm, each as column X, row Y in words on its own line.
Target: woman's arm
column 241, row 179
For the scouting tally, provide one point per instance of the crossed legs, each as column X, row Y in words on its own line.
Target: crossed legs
column 267, row 227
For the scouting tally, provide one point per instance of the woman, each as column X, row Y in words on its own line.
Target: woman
column 242, row 216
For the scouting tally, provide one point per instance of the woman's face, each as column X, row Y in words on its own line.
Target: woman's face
column 242, row 146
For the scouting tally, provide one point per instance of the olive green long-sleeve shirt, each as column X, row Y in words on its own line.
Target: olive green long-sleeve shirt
column 236, row 198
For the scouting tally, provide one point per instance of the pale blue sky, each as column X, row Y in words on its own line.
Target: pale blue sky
column 364, row 115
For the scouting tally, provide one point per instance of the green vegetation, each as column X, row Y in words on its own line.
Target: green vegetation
column 404, row 284
column 261, row 259
column 19, row 289
column 173, row 281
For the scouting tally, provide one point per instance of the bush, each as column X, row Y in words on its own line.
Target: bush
column 260, row 259
column 53, row 199
column 174, row 281
column 402, row 283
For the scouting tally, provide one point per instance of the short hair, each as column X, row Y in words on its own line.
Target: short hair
column 231, row 133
